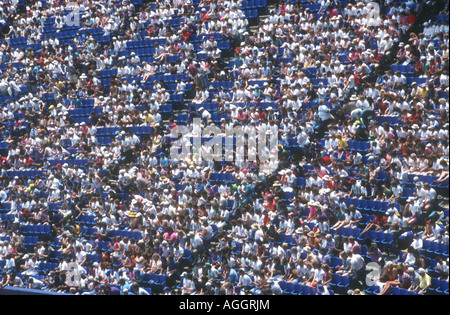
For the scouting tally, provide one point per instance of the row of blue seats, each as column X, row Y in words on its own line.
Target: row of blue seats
column 104, row 132
column 84, row 112
column 4, row 145
column 27, row 173
column 392, row 120
column 88, row 231
column 217, row 178
column 167, row 79
column 18, row 41
column 438, row 286
column 45, row 267
column 153, row 278
column 149, row 51
column 107, row 131
column 36, row 229
column 434, row 249
column 52, row 206
column 87, row 219
column 18, row 65
column 104, row 140
column 442, row 17
column 145, row 43
column 71, row 31
column 253, row 4
column 30, row 241
column 339, row 283
column 7, row 217
column 291, row 288
column 214, row 106
column 140, row 130
column 252, row 15
column 79, row 162
column 128, row 234
column 406, row 70
column 370, row 204
column 84, row 102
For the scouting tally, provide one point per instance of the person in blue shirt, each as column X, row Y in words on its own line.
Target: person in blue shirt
column 164, row 161
column 199, row 186
column 248, row 192
column 231, row 274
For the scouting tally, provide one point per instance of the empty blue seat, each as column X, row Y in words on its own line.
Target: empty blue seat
column 289, row 288
column 343, row 285
column 362, row 204
column 388, row 243
column 442, row 288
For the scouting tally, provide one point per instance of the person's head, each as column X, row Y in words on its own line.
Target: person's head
column 422, row 272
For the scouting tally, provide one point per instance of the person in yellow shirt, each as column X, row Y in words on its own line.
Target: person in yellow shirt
column 342, row 143
column 59, row 84
column 76, row 229
column 424, row 282
column 423, row 92
column 148, row 118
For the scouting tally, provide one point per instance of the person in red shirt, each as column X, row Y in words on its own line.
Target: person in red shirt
column 411, row 18
column 329, row 183
column 28, row 161
column 326, row 160
column 171, row 124
column 242, row 115
column 204, row 15
column 262, row 114
column 412, row 117
column 271, row 203
column 332, row 12
column 354, row 55
column 378, row 223
column 266, row 218
column 260, row 248
column 186, row 35
column 404, row 147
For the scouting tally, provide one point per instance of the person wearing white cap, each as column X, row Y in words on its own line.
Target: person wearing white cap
column 401, row 53
column 393, row 220
column 424, row 282
column 54, row 194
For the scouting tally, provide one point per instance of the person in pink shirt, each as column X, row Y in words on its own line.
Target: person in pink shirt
column 170, row 235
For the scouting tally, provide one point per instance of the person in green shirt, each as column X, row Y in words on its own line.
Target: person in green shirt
column 387, row 189
column 233, row 189
column 363, row 172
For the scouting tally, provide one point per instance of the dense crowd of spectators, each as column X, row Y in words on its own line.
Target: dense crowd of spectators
column 329, row 77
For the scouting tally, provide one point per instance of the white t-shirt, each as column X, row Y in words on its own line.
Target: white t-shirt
column 357, row 262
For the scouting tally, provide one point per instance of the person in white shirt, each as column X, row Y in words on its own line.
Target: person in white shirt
column 31, row 266
column 417, row 242
column 358, row 265
column 244, row 279
column 393, row 220
column 430, row 198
